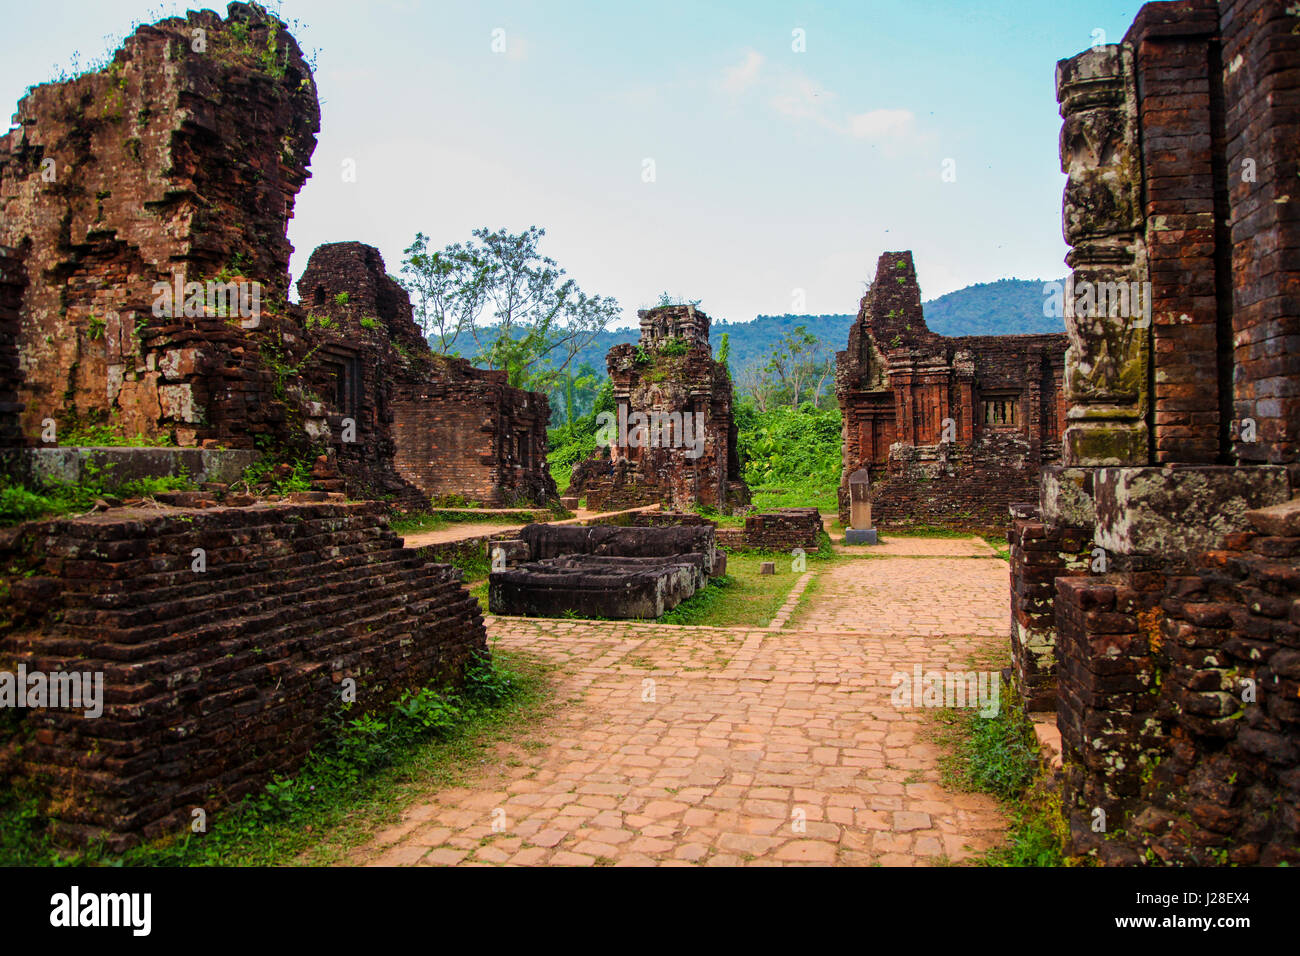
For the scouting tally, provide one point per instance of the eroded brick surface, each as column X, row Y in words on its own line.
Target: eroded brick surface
column 669, row 374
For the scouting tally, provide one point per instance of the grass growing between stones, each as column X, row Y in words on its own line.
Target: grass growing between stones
column 999, row 756
column 353, row 783
column 742, row 597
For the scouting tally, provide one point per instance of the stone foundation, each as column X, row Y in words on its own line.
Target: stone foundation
column 592, row 586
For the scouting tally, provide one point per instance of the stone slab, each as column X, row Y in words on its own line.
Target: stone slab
column 861, row 536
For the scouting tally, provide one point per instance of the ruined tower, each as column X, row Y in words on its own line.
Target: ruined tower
column 951, row 430
column 423, row 421
column 175, row 167
column 672, row 438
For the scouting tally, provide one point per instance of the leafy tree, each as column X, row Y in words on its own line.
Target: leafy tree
column 797, row 361
column 446, row 288
column 522, row 312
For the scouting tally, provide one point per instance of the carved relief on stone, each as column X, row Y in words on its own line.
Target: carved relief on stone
column 1107, row 363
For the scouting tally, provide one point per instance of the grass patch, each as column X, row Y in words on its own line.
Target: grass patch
column 740, row 598
column 810, row 494
column 20, row 502
column 924, row 531
column 999, row 756
column 358, row 779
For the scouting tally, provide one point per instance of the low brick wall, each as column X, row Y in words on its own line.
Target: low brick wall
column 784, row 529
column 1040, row 555
column 214, row 681
column 1180, row 706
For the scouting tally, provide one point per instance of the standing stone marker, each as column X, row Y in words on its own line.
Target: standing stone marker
column 860, row 530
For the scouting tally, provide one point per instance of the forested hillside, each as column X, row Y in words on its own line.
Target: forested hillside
column 1005, row 307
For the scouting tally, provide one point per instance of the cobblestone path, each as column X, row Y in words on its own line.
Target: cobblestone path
column 720, row 746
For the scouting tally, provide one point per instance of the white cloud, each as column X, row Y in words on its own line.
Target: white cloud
column 737, row 79
column 878, row 124
column 803, row 98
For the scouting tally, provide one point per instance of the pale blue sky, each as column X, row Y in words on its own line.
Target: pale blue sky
column 775, row 170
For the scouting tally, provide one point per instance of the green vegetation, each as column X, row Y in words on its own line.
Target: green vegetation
column 999, row 756
column 20, row 502
column 279, row 470
column 740, row 598
column 359, row 777
column 73, row 432
column 515, row 305
column 790, row 457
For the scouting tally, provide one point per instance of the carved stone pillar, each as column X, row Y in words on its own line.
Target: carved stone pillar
column 1107, row 365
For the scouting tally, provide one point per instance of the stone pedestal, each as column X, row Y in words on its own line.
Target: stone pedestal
column 860, row 530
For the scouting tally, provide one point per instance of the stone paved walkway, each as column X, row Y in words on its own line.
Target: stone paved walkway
column 720, row 746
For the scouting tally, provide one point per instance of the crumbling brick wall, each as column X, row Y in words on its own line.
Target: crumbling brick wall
column 179, row 163
column 425, row 425
column 465, row 431
column 669, row 377
column 951, row 430
column 1172, row 658
column 1040, row 554
column 12, row 281
column 214, row 682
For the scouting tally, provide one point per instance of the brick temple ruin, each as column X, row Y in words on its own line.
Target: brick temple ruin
column 143, row 286
column 423, row 421
column 950, row 430
column 1156, row 581
column 143, row 213
column 675, row 440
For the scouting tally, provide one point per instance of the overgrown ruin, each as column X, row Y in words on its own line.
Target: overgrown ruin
column 425, row 424
column 673, row 437
column 143, row 283
column 951, row 430
column 141, row 200
column 1156, row 591
column 146, row 207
